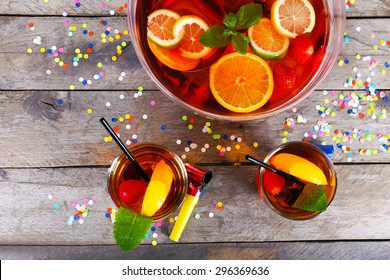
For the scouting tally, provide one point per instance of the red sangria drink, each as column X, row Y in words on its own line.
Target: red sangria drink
column 314, row 189
column 237, row 60
column 158, row 198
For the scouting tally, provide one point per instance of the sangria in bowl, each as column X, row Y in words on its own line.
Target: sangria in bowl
column 237, row 60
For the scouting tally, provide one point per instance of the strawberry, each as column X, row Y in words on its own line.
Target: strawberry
column 284, row 76
column 301, row 49
column 130, row 191
column 273, row 183
column 317, row 58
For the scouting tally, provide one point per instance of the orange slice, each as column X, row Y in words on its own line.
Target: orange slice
column 293, row 17
column 266, row 41
column 241, row 83
column 299, row 167
column 191, row 29
column 172, row 58
column 160, row 28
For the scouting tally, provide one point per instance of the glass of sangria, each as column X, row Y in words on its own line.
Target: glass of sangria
column 310, row 191
column 198, row 77
column 167, row 187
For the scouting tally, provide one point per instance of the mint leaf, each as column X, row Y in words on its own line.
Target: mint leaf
column 228, row 32
column 312, row 198
column 240, row 43
column 248, row 15
column 214, row 37
column 230, row 20
column 218, row 36
column 130, row 228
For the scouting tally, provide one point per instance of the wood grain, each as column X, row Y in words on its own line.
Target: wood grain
column 358, row 211
column 39, row 132
column 334, row 250
column 24, row 71
column 372, row 8
column 53, row 144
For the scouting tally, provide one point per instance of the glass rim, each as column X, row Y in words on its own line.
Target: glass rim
column 335, row 33
column 178, row 163
column 306, row 214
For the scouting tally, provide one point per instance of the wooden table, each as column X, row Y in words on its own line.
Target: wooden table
column 53, row 149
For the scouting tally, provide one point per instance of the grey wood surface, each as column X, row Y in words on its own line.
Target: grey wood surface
column 28, row 75
column 346, row 219
column 51, row 145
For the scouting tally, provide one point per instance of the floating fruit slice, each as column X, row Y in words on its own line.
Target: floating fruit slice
column 266, row 42
column 241, row 83
column 172, row 58
column 190, row 29
column 299, row 167
column 158, row 189
column 273, row 182
column 293, row 17
column 160, row 28
column 130, row 191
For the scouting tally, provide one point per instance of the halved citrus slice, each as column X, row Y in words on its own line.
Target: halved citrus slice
column 299, row 167
column 191, row 29
column 293, row 17
column 266, row 42
column 158, row 189
column 160, row 26
column 241, row 83
column 172, row 58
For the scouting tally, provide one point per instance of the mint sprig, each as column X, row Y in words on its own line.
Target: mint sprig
column 218, row 36
column 312, row 198
column 130, row 228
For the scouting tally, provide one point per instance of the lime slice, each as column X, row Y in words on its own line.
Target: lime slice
column 266, row 42
column 160, row 28
column 312, row 198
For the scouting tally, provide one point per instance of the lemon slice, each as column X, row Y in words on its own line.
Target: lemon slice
column 157, row 190
column 293, row 17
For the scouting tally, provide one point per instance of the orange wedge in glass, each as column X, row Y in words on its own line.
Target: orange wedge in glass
column 299, row 167
column 293, row 17
column 241, row 83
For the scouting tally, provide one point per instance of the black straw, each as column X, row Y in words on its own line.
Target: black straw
column 124, row 149
column 279, row 172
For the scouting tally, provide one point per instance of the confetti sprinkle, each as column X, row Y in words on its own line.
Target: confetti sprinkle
column 82, row 211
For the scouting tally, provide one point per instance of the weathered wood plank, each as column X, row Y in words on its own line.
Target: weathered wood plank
column 360, row 210
column 339, row 250
column 24, row 71
column 37, row 131
column 372, row 8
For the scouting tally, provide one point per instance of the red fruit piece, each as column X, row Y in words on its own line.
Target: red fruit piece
column 301, row 49
column 318, row 58
column 130, row 191
column 284, row 76
column 273, row 183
